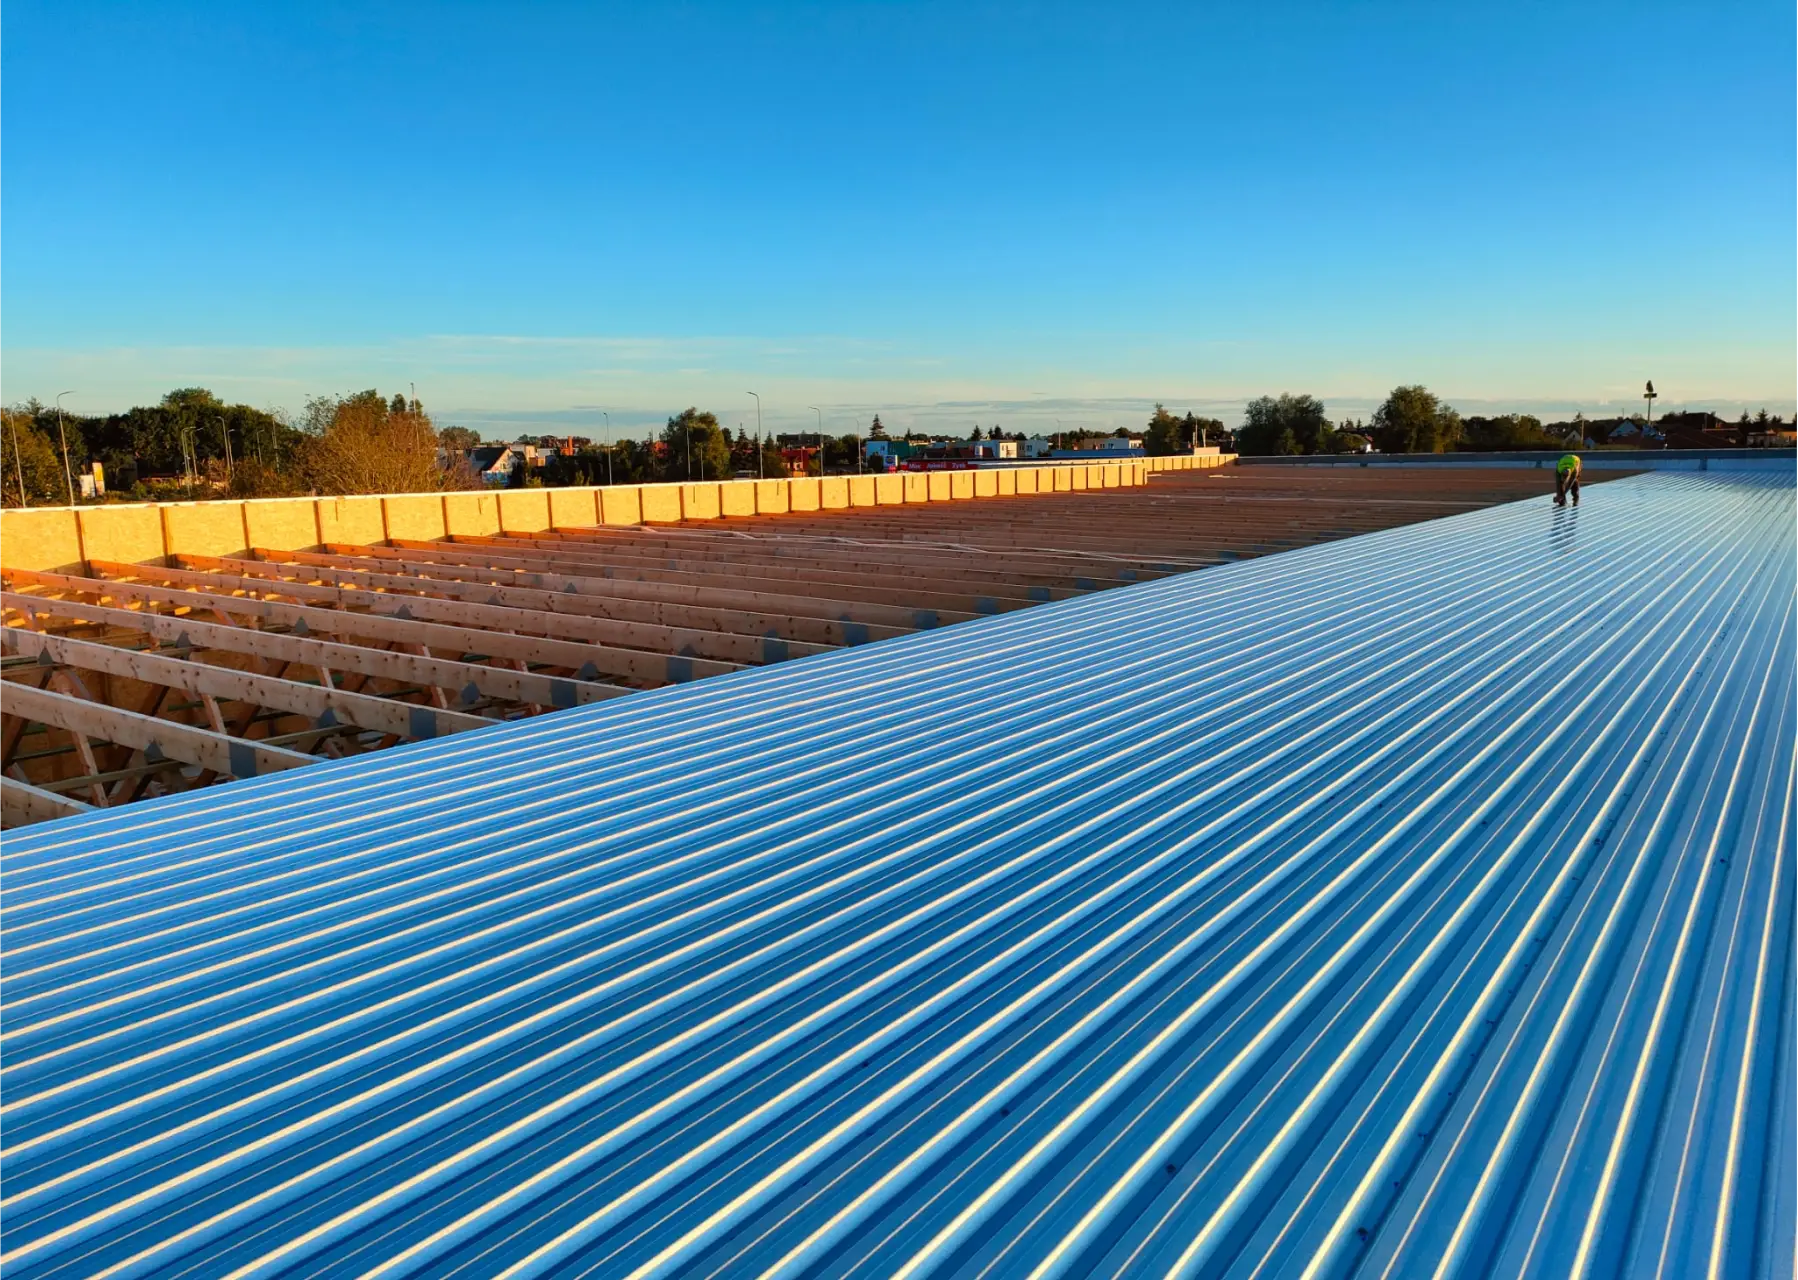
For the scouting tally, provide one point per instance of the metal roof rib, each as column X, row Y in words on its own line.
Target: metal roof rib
column 1415, row 903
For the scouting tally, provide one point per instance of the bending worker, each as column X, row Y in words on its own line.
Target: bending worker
column 1567, row 479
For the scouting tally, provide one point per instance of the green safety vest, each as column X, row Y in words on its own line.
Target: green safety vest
column 1568, row 462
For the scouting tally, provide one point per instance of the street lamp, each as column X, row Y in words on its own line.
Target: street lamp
column 68, row 473
column 760, row 471
column 18, row 465
column 1649, row 395
column 815, row 409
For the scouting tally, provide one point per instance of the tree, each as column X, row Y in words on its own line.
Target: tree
column 696, row 448
column 1164, row 434
column 1508, row 431
column 876, row 431
column 1287, row 425
column 361, row 444
column 1414, row 421
column 461, row 439
column 27, row 451
column 1167, row 434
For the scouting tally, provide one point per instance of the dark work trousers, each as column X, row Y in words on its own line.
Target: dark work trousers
column 1566, row 483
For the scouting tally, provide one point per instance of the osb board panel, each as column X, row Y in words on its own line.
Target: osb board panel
column 1108, row 476
column 737, row 498
column 281, row 524
column 353, row 520
column 44, row 540
column 889, row 490
column 1061, row 477
column 833, row 493
column 861, row 491
column 802, row 493
column 661, row 502
column 129, row 535
column 1081, row 476
column 961, row 484
column 699, row 501
column 523, row 510
column 986, row 484
column 621, row 504
column 573, row 508
column 771, row 497
column 204, row 528
column 1028, row 481
column 917, row 486
column 418, row 516
column 471, row 514
column 940, row 489
column 1005, row 483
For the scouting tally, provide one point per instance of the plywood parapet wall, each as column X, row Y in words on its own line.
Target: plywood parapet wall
column 61, row 539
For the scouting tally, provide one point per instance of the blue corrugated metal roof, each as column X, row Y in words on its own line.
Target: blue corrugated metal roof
column 1420, row 903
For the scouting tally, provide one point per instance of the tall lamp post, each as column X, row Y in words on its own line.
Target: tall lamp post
column 1649, row 395
column 19, row 465
column 760, row 469
column 68, row 472
column 815, row 409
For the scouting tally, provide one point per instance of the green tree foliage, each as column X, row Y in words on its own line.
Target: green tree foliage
column 362, row 444
column 190, row 430
column 461, row 439
column 1414, row 421
column 1169, row 434
column 1287, row 424
column 841, row 454
column 30, row 454
column 1509, row 431
column 695, row 447
column 877, row 430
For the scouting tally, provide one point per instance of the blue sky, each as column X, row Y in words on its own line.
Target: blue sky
column 944, row 213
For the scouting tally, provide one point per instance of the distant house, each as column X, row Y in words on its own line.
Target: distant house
column 1037, row 447
column 495, row 463
column 1109, row 448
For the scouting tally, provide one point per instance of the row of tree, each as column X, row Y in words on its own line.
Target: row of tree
column 193, row 445
column 1414, row 420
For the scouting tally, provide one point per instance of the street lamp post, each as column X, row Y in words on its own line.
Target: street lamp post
column 68, row 472
column 19, row 465
column 815, row 409
column 760, row 469
column 1649, row 395
column 608, row 418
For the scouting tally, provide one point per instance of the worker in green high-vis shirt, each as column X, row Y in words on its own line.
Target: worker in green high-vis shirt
column 1567, row 479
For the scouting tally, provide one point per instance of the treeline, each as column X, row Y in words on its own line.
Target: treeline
column 1414, row 420
column 1411, row 420
column 193, row 445
column 692, row 446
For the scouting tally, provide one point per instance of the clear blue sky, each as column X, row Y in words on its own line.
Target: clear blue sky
column 997, row 212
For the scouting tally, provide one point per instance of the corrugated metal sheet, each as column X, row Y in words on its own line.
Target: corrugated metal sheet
column 1420, row 903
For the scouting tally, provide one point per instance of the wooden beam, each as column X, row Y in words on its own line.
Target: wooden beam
column 487, row 615
column 590, row 596
column 201, row 680
column 155, row 738
column 468, row 680
column 22, row 804
column 729, row 597
column 816, row 586
column 585, row 660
